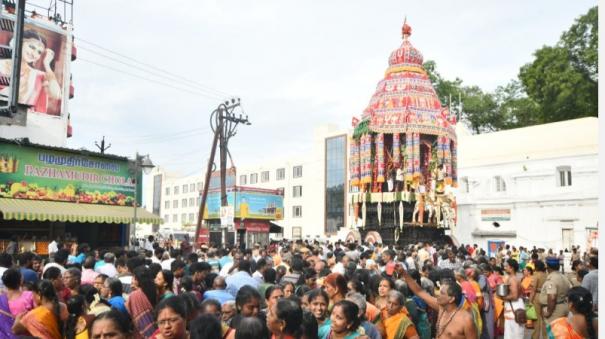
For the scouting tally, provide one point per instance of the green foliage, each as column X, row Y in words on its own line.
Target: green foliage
column 560, row 84
column 562, row 79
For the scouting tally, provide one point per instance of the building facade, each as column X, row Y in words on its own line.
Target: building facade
column 174, row 198
column 533, row 186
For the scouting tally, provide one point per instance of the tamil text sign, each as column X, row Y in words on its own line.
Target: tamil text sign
column 28, row 172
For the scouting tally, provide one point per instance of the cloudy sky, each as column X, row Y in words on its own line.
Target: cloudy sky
column 150, row 72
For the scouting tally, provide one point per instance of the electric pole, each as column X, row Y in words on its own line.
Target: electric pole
column 224, row 125
column 102, row 147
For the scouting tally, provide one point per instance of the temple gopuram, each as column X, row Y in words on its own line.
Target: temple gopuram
column 403, row 156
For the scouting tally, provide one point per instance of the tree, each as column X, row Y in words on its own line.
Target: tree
column 515, row 108
column 562, row 79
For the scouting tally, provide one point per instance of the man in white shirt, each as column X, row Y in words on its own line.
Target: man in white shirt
column 109, row 269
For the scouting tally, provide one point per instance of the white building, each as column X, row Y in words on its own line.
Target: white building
column 310, row 208
column 176, row 199
column 529, row 186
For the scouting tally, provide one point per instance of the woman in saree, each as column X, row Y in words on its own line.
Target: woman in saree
column 141, row 302
column 46, row 320
column 582, row 323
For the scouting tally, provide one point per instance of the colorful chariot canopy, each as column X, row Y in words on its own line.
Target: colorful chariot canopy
column 37, row 210
column 405, row 100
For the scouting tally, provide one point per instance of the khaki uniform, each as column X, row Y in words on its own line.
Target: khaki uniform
column 556, row 284
column 539, row 327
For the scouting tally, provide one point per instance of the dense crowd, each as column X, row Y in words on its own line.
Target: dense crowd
column 298, row 290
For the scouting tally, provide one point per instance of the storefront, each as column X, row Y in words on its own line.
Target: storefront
column 254, row 210
column 82, row 196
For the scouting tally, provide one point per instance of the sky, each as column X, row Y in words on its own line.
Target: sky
column 149, row 73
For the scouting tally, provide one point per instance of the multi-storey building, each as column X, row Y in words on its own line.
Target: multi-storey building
column 176, row 199
column 314, row 185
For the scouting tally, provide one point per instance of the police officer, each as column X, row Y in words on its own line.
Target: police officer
column 554, row 291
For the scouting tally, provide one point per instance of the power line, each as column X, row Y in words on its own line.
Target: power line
column 171, row 76
column 159, row 135
column 151, row 80
column 221, row 93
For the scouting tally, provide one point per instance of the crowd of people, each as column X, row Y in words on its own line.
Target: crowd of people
column 298, row 290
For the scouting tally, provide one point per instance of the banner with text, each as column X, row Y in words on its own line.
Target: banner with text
column 28, row 172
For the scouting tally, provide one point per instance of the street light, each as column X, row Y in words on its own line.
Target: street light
column 141, row 163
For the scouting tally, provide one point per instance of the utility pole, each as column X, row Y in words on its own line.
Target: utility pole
column 224, row 123
column 102, row 147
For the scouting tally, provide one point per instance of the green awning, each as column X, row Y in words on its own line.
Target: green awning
column 40, row 210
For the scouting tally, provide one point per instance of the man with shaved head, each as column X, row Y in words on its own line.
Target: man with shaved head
column 218, row 291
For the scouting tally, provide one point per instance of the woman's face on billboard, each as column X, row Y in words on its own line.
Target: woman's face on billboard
column 32, row 50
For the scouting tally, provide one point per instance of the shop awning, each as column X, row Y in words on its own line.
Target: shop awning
column 30, row 210
column 275, row 228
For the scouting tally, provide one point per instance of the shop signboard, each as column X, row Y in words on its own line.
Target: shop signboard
column 36, row 173
column 249, row 203
column 45, row 70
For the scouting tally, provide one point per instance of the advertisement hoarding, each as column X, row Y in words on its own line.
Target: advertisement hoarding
column 44, row 67
column 249, row 204
column 28, row 172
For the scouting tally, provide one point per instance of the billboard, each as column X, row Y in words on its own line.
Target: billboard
column 44, row 67
column 28, row 172
column 250, row 203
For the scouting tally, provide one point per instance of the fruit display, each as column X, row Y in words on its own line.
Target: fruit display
column 69, row 193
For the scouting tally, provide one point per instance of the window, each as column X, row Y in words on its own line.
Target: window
column 176, row 190
column 499, row 184
column 192, row 188
column 465, row 185
column 175, row 204
column 184, row 203
column 297, row 191
column 563, row 176
column 335, row 202
column 280, row 174
column 253, row 178
column 199, row 201
column 199, row 186
column 183, row 218
column 296, row 211
column 264, row 176
column 191, row 215
column 191, row 202
column 166, row 218
column 296, row 232
column 166, row 204
column 243, row 179
column 185, row 188
column 167, row 190
column 297, row 171
column 175, row 218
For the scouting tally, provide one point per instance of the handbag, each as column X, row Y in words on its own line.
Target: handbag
column 530, row 312
column 520, row 314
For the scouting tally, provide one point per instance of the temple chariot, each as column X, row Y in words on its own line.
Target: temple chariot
column 402, row 161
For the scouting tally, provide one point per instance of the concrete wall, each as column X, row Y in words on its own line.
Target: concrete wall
column 540, row 208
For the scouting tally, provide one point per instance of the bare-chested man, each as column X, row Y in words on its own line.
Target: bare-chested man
column 453, row 321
